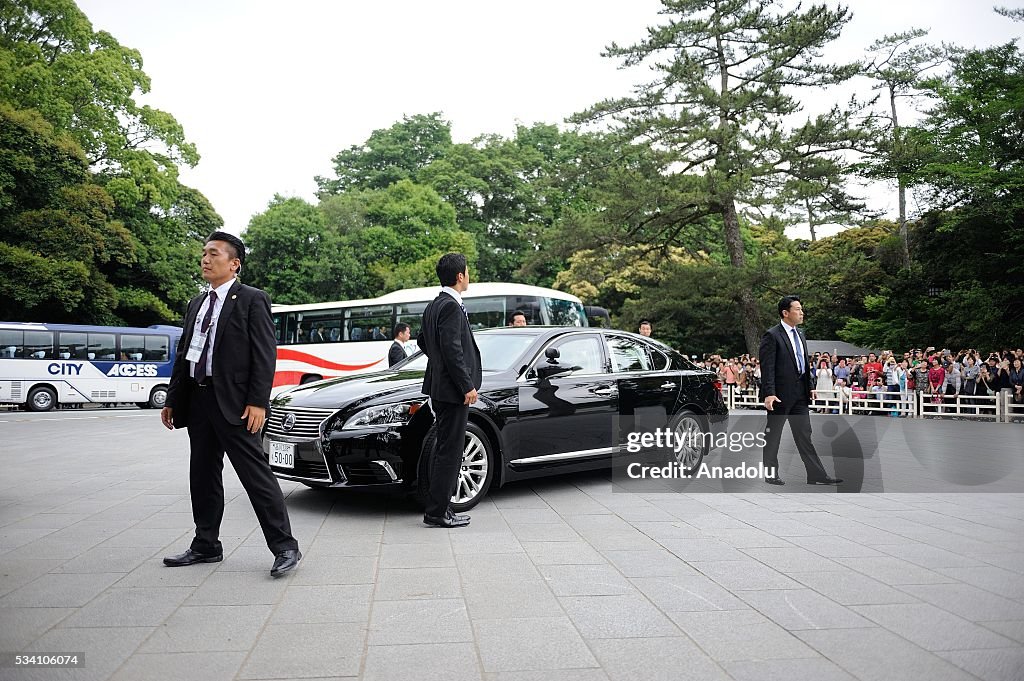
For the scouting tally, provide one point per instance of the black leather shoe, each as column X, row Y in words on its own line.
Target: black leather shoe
column 775, row 481
column 825, row 481
column 450, row 520
column 190, row 557
column 286, row 561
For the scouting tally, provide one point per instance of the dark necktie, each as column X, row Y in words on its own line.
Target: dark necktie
column 207, row 320
column 799, row 351
column 464, row 311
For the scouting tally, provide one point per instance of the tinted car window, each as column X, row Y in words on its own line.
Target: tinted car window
column 498, row 351
column 583, row 352
column 658, row 360
column 628, row 355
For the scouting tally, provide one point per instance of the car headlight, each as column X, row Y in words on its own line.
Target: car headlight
column 394, row 414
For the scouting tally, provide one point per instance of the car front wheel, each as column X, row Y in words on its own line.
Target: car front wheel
column 475, row 472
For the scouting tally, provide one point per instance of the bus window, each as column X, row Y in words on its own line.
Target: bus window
column 528, row 305
column 485, row 313
column 38, row 345
column 11, row 343
column 411, row 314
column 321, row 326
column 157, row 349
column 279, row 327
column 563, row 312
column 133, row 347
column 102, row 346
column 73, row 345
column 369, row 323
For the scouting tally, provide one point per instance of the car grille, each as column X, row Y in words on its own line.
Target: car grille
column 307, row 422
column 369, row 473
column 307, row 469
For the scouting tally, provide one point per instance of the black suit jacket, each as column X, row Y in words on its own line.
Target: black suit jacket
column 244, row 355
column 453, row 365
column 779, row 373
column 396, row 354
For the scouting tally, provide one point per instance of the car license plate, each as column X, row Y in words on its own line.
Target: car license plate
column 282, row 454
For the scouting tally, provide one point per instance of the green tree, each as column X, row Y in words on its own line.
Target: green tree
column 720, row 105
column 965, row 287
column 88, row 177
column 898, row 64
column 389, row 155
column 398, row 233
column 508, row 193
column 296, row 258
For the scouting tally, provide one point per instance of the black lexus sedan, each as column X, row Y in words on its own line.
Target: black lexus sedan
column 553, row 400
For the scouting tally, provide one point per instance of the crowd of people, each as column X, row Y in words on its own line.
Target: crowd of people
column 942, row 376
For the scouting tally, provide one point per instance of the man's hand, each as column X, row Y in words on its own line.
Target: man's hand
column 814, row 394
column 470, row 397
column 769, row 402
column 257, row 416
column 166, row 415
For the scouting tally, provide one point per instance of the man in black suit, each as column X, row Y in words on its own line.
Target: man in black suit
column 397, row 352
column 220, row 390
column 786, row 393
column 451, row 379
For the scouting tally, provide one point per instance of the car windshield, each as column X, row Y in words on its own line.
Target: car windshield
column 498, row 351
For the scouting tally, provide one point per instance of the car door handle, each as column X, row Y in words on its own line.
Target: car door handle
column 668, row 385
column 606, row 391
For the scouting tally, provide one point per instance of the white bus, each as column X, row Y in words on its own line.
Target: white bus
column 325, row 340
column 43, row 365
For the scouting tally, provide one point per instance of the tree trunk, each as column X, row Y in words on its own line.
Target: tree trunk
column 901, row 188
column 737, row 258
column 810, row 219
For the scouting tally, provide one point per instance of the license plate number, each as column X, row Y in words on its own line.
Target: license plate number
column 282, row 454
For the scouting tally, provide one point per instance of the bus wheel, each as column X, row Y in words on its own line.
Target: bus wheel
column 157, row 398
column 41, row 399
column 309, row 378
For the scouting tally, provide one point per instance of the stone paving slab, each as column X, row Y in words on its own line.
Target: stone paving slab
column 565, row 579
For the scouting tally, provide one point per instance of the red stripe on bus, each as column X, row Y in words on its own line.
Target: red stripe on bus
column 290, row 377
column 295, row 355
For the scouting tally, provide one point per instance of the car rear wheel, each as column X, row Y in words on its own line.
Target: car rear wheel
column 692, row 430
column 475, row 473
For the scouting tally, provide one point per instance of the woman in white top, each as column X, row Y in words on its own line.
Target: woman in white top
column 825, row 384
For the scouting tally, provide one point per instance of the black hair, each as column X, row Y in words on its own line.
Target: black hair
column 400, row 327
column 519, row 313
column 449, row 267
column 231, row 240
column 785, row 302
column 645, row 321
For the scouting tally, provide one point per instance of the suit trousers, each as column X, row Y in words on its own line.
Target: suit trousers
column 210, row 436
column 446, row 458
column 799, row 418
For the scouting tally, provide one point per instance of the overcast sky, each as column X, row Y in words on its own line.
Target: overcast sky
column 270, row 91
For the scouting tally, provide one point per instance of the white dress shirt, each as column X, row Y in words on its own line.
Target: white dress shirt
column 222, row 292
column 796, row 353
column 453, row 293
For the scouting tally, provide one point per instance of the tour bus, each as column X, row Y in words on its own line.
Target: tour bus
column 43, row 365
column 324, row 340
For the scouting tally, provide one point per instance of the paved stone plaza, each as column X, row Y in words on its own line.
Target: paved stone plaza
column 559, row 579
